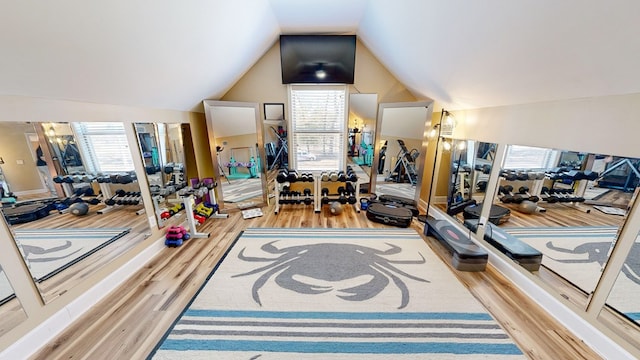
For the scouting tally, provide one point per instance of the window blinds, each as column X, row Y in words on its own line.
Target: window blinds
column 104, row 146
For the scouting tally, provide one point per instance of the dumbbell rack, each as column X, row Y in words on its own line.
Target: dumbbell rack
column 279, row 185
column 188, row 202
column 332, row 198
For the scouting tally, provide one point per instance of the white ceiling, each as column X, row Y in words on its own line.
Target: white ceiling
column 462, row 53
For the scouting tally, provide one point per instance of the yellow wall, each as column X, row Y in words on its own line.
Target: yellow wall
column 19, row 166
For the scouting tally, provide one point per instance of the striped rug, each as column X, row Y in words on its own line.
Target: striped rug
column 334, row 293
column 578, row 254
column 49, row 251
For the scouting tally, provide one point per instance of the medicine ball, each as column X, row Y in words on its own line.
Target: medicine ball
column 79, row 208
column 335, row 208
column 527, row 207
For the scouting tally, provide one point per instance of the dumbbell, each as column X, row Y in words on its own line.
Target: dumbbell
column 342, row 198
column 112, row 200
column 548, row 196
column 351, row 191
column 292, row 176
column 524, row 190
column 324, row 176
column 307, row 194
column 342, row 176
column 325, row 195
column 508, row 196
column 333, row 176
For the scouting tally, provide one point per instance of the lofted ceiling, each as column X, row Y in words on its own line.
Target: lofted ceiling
column 462, row 53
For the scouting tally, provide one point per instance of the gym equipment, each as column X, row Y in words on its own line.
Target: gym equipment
column 399, row 201
column 389, row 214
column 527, row 207
column 281, row 158
column 508, row 197
column 335, row 208
column 383, row 157
column 405, row 167
column 79, row 208
column 26, row 213
column 497, row 214
column 524, row 190
column 517, row 250
column 466, row 255
column 175, row 236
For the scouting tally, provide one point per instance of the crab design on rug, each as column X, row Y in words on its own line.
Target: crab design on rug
column 324, row 267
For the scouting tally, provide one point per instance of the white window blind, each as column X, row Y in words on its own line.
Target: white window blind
column 318, row 127
column 527, row 157
column 104, row 146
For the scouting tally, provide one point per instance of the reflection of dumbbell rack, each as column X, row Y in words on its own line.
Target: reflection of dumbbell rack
column 122, row 198
column 577, row 181
column 338, row 186
column 293, row 188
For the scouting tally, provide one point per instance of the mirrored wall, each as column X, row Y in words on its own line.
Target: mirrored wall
column 11, row 311
column 400, row 148
column 71, row 198
column 361, row 137
column 237, row 150
column 162, row 149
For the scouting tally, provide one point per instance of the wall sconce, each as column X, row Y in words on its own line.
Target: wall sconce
column 51, row 132
column 446, row 145
column 448, row 123
column 1, row 161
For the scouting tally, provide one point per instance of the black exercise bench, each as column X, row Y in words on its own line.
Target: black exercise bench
column 517, row 250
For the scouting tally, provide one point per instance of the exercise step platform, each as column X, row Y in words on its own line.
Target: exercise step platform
column 467, row 255
column 517, row 250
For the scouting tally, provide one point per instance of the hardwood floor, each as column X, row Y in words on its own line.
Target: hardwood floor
column 129, row 322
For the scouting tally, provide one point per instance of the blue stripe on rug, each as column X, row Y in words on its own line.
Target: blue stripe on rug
column 339, row 315
column 339, row 347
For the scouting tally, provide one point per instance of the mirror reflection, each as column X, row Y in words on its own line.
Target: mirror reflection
column 361, row 137
column 568, row 206
column 70, row 193
column 400, row 154
column 11, row 311
column 162, row 149
column 623, row 297
column 238, row 155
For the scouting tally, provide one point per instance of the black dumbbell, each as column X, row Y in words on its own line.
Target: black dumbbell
column 325, row 195
column 524, row 190
column 282, row 175
column 307, row 194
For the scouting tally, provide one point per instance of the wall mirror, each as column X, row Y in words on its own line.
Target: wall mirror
column 570, row 211
column 237, row 150
column 362, row 124
column 162, row 149
column 400, row 148
column 468, row 165
column 11, row 311
column 94, row 214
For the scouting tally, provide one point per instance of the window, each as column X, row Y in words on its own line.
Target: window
column 527, row 157
column 318, row 127
column 104, row 147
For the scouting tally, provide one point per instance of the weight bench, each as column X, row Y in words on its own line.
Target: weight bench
column 467, row 255
column 517, row 250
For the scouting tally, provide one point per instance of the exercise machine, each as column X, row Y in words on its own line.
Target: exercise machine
column 405, row 166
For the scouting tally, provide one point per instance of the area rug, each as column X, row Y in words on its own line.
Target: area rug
column 49, row 251
column 241, row 189
column 578, row 254
column 334, row 293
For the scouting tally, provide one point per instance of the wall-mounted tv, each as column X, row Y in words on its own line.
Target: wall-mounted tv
column 318, row 59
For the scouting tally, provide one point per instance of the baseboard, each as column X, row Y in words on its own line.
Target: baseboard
column 55, row 324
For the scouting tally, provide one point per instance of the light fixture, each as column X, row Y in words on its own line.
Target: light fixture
column 1, row 161
column 52, row 131
column 433, row 132
column 320, row 73
column 461, row 145
column 446, row 145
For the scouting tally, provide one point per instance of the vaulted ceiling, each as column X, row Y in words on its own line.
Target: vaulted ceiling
column 462, row 53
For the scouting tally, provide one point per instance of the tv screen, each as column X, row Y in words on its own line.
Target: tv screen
column 318, row 58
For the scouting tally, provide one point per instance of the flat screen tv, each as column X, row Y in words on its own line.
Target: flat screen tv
column 318, row 59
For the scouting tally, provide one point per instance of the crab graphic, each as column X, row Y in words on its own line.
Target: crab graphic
column 597, row 252
column 320, row 268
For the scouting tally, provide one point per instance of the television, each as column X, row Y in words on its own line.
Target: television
column 318, row 59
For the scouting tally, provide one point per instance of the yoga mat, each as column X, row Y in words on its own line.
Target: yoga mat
column 334, row 293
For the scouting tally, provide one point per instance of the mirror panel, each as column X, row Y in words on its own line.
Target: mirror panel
column 162, row 149
column 11, row 311
column 400, row 148
column 576, row 216
column 95, row 214
column 237, row 146
column 362, row 124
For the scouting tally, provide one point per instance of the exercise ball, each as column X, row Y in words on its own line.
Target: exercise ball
column 528, row 207
column 79, row 208
column 335, row 208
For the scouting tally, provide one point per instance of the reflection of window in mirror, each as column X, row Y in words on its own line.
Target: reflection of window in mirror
column 104, row 146
column 274, row 111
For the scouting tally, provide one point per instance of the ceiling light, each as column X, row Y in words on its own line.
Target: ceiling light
column 321, row 74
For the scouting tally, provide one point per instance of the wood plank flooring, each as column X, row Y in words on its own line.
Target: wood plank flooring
column 129, row 322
